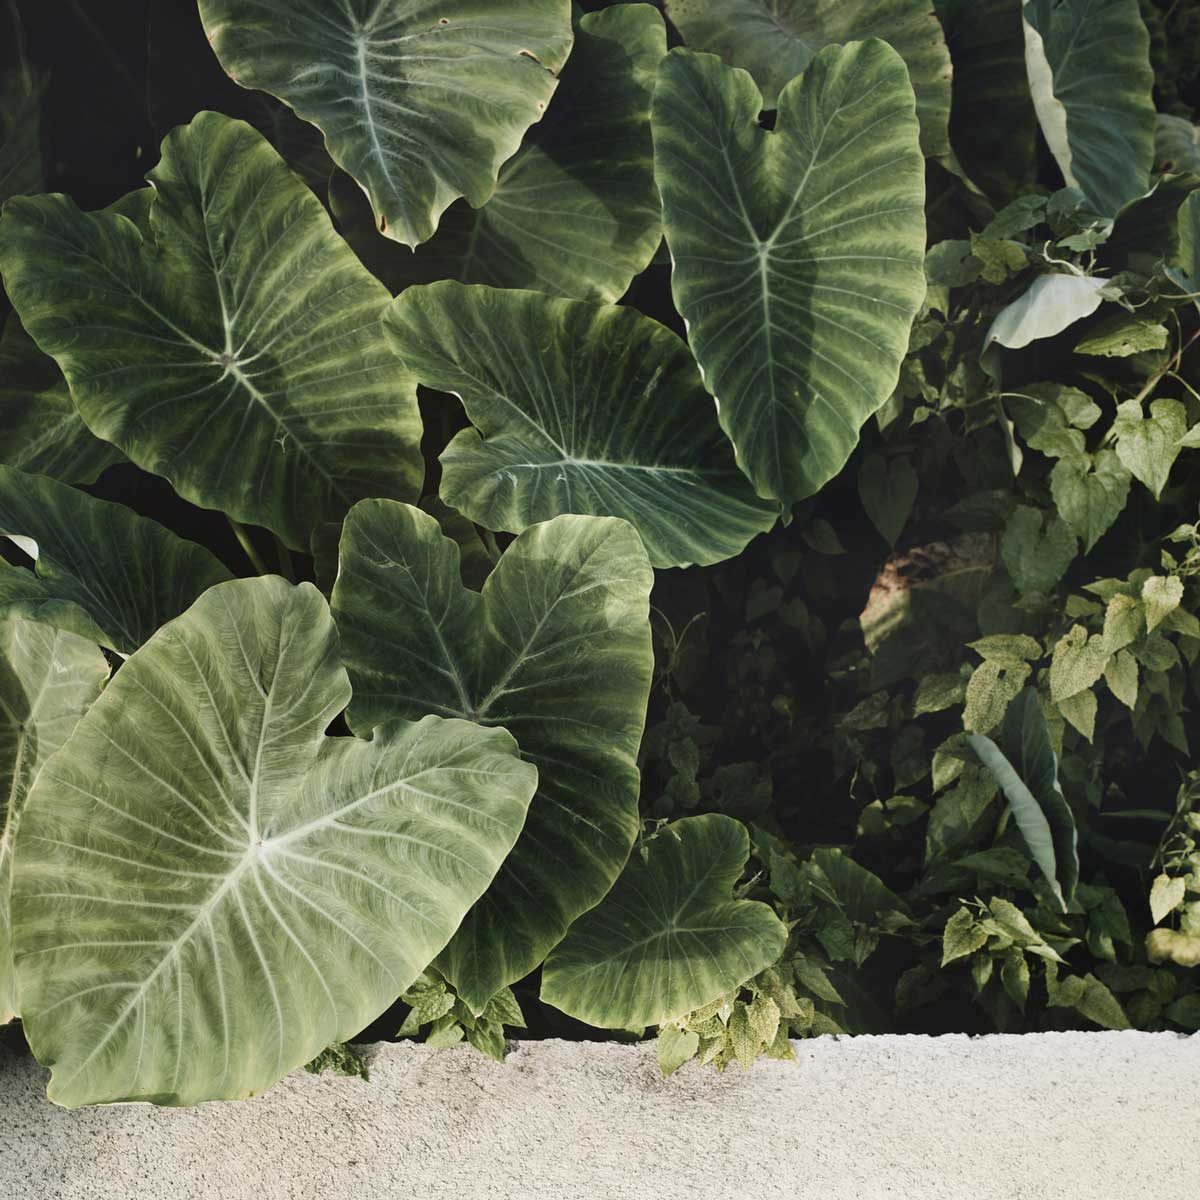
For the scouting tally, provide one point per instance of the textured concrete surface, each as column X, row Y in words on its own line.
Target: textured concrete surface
column 1097, row 1116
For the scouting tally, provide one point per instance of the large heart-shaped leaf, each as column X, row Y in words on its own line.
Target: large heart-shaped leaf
column 47, row 681
column 576, row 211
column 209, row 890
column 40, row 428
column 221, row 334
column 798, row 254
column 578, row 408
column 1089, row 70
column 101, row 571
column 420, row 101
column 556, row 649
column 776, row 39
column 669, row 937
column 21, row 149
column 993, row 126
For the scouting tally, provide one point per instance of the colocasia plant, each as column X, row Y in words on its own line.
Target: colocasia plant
column 636, row 517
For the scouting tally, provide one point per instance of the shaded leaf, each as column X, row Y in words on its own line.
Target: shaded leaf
column 557, row 649
column 797, row 254
column 668, row 937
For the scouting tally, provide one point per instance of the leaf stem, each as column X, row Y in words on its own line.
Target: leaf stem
column 239, row 532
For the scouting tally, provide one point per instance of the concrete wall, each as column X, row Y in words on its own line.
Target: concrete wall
column 1097, row 1116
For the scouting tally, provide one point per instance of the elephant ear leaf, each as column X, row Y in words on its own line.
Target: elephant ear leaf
column 669, row 937
column 556, row 649
column 576, row 210
column 776, row 39
column 209, row 890
column 1088, row 63
column 798, row 253
column 220, row 333
column 420, row 103
column 1026, row 768
column 590, row 409
column 47, row 681
column 41, row 430
column 100, row 570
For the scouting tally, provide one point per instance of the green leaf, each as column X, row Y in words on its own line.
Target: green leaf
column 668, row 937
column 1123, row 622
column 993, row 127
column 1090, row 998
column 1080, row 710
column 1121, row 675
column 218, row 331
column 102, row 571
column 1036, row 558
column 576, row 212
column 1148, row 446
column 578, row 408
column 1052, row 304
column 675, row 1047
column 209, row 890
column 47, row 681
column 992, row 687
column 1166, row 895
column 1027, row 771
column 21, row 125
column 557, row 649
column 888, row 489
column 1014, row 977
column 798, row 254
column 420, row 105
column 1176, row 145
column 775, row 40
column 962, row 936
column 1077, row 662
column 1122, row 335
column 40, row 429
column 1161, row 596
column 1090, row 493
column 1007, row 647
column 1089, row 71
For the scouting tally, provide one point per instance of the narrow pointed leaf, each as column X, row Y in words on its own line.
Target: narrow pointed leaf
column 576, row 210
column 101, row 571
column 557, row 650
column 40, row 428
column 798, row 254
column 219, row 332
column 776, row 39
column 209, row 890
column 669, row 937
column 1088, row 63
column 1027, row 771
column 578, row 408
column 420, row 102
column 47, row 681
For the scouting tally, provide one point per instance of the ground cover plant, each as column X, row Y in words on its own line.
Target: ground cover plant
column 608, row 520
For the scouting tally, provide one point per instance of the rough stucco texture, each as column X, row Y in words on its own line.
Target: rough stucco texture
column 1096, row 1116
